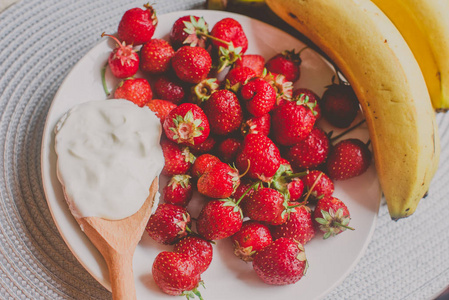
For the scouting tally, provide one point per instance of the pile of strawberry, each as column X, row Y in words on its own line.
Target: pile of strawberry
column 250, row 143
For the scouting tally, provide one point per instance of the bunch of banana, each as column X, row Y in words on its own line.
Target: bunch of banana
column 378, row 63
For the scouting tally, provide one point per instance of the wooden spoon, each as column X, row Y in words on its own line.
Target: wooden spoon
column 117, row 240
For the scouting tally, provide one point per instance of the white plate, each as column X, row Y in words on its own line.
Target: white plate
column 228, row 277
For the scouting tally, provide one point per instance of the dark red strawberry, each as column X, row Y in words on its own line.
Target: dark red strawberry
column 259, row 96
column 189, row 30
column 255, row 125
column 198, row 249
column 317, row 185
column 223, row 112
column 155, row 56
column 260, row 156
column 228, row 148
column 299, row 226
column 178, row 159
column 332, row 216
column 178, row 190
column 283, row 87
column 191, row 64
column 286, row 63
column 308, row 97
column 251, row 238
column 310, row 152
column 237, row 77
column 187, row 124
column 170, row 89
column 205, row 147
column 339, row 105
column 176, row 274
column 202, row 91
column 283, row 262
column 161, row 108
column 291, row 123
column 137, row 90
column 137, row 25
column 229, row 30
column 168, row 224
column 265, row 205
column 347, row 159
column 123, row 60
column 219, row 219
column 253, row 61
column 245, row 190
column 219, row 181
column 203, row 163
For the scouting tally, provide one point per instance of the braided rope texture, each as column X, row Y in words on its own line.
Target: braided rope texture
column 40, row 41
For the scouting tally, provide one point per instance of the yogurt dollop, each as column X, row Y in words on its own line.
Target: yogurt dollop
column 108, row 155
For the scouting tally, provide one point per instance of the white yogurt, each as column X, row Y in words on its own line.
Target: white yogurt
column 108, row 156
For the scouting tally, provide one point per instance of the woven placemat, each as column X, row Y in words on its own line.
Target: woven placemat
column 40, row 41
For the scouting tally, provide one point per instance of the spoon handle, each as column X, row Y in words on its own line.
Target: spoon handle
column 121, row 276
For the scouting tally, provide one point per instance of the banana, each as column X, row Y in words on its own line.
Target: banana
column 376, row 60
column 424, row 24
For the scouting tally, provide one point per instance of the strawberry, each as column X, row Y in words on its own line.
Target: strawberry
column 189, row 30
column 252, row 61
column 347, row 159
column 265, row 205
column 283, row 87
column 332, row 216
column 310, row 152
column 170, row 89
column 317, row 185
column 168, row 224
column 245, row 190
column 295, row 189
column 178, row 190
column 205, row 147
column 286, row 63
column 340, row 105
column 261, row 124
column 260, row 156
column 228, row 148
column 202, row 91
column 178, row 160
column 137, row 25
column 309, row 98
column 259, row 96
column 219, row 181
column 237, row 77
column 161, row 108
column 123, row 60
column 299, row 225
column 252, row 237
column 191, row 64
column 155, row 56
column 176, row 274
column 203, row 163
column 136, row 90
column 229, row 30
column 198, row 249
column 219, row 219
column 187, row 124
column 223, row 112
column 280, row 263
column 291, row 123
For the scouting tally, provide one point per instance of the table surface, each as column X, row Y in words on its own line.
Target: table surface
column 40, row 41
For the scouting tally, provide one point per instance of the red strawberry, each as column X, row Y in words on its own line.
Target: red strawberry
column 299, row 225
column 260, row 156
column 219, row 219
column 317, row 185
column 332, row 216
column 219, row 181
column 245, row 190
column 228, row 148
column 202, row 91
column 286, row 63
column 155, row 56
column 137, row 90
column 295, row 189
column 178, row 190
column 205, row 146
column 187, row 124
column 309, row 98
column 176, row 274
column 237, row 77
column 259, row 96
column 223, row 112
column 178, row 160
column 253, row 61
column 189, row 30
column 161, row 108
column 310, row 152
column 283, row 87
column 137, row 25
column 198, row 249
column 291, row 123
column 169, row 89
column 191, row 64
column 229, row 30
column 282, row 262
column 168, row 224
column 123, row 60
column 252, row 237
column 203, row 163
column 260, row 125
column 265, row 205
column 339, row 105
column 347, row 159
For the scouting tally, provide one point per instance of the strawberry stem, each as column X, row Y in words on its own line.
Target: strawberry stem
column 312, row 187
column 213, row 38
column 103, row 79
column 342, row 225
column 347, row 130
column 247, row 191
column 116, row 39
column 247, row 169
column 294, row 175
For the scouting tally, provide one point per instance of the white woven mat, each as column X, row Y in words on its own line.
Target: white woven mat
column 40, row 41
